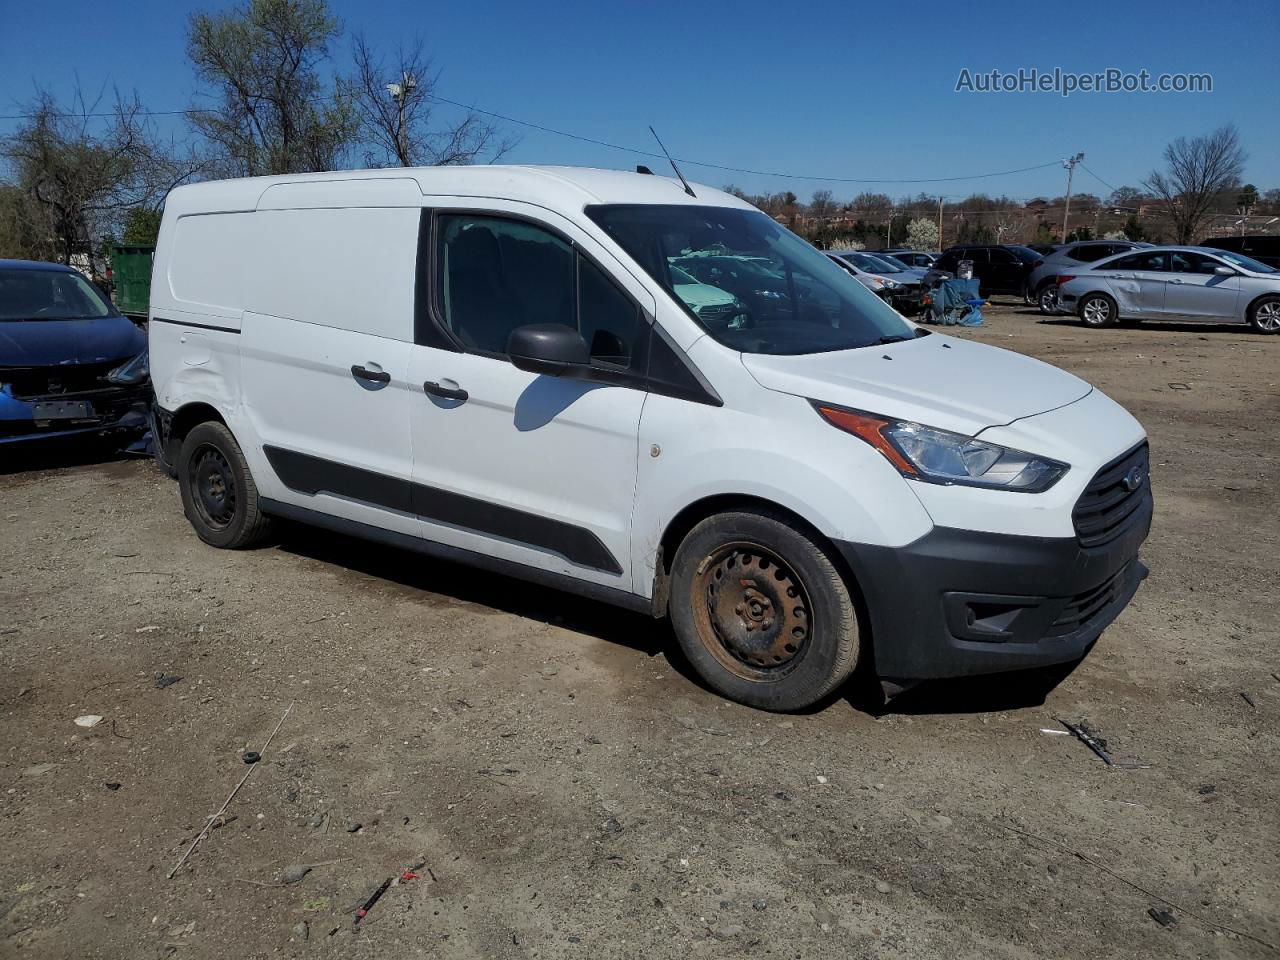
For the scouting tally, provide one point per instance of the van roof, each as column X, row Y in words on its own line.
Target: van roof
column 563, row 189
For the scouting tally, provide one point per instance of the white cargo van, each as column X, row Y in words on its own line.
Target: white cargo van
column 509, row 367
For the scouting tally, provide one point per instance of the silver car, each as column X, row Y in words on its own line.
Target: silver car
column 1167, row 283
column 1042, row 286
column 897, row 284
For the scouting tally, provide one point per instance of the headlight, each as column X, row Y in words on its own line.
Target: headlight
column 939, row 456
column 891, row 284
column 131, row 372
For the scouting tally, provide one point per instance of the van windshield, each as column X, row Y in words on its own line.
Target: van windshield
column 776, row 293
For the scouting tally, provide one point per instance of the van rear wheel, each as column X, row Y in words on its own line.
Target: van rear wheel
column 761, row 612
column 219, row 496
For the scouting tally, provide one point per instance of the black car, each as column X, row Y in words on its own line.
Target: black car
column 1261, row 247
column 998, row 269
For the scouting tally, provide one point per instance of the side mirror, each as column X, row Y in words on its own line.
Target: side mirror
column 1224, row 271
column 549, row 348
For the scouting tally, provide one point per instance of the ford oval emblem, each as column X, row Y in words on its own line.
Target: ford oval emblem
column 1133, row 479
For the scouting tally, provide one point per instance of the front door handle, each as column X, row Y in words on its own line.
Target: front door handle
column 373, row 376
column 448, row 393
column 1175, row 280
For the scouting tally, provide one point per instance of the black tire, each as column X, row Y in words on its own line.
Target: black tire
column 1264, row 315
column 219, row 496
column 1047, row 299
column 761, row 612
column 1098, row 310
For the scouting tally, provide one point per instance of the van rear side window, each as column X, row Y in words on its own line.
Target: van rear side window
column 350, row 268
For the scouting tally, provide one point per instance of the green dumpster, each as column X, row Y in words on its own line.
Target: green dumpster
column 131, row 277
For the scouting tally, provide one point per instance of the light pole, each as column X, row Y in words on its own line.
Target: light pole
column 1070, row 164
column 400, row 93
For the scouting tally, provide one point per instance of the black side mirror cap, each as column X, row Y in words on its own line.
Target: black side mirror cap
column 552, row 349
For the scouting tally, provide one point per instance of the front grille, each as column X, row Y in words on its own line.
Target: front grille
column 59, row 379
column 1101, row 513
column 717, row 310
column 1083, row 607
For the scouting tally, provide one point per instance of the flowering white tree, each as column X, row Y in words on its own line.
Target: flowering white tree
column 922, row 234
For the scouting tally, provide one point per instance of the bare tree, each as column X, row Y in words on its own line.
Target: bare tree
column 1125, row 197
column 872, row 205
column 394, row 104
column 272, row 112
column 77, row 174
column 822, row 205
column 1198, row 172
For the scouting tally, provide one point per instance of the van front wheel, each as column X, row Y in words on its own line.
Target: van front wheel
column 761, row 612
column 219, row 496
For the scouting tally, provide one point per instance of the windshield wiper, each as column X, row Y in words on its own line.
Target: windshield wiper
column 893, row 338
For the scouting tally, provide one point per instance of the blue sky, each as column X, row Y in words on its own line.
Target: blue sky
column 837, row 90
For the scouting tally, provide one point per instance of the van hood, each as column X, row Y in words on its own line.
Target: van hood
column 47, row 343
column 936, row 380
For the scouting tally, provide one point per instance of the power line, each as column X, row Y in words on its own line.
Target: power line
column 719, row 166
column 1098, row 178
column 612, row 146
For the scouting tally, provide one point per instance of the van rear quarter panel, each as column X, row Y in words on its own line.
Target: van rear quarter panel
column 197, row 301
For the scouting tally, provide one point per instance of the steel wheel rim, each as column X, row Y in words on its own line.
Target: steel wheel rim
column 1049, row 299
column 1268, row 317
column 213, row 487
column 1097, row 311
column 752, row 612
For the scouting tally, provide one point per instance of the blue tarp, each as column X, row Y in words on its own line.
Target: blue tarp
column 956, row 302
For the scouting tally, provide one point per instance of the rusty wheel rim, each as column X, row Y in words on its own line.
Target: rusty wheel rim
column 752, row 611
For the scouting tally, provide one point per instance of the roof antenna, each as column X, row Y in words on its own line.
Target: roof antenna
column 687, row 189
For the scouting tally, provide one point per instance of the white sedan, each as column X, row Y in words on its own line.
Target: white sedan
column 1174, row 283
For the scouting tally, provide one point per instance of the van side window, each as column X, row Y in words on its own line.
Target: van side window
column 495, row 275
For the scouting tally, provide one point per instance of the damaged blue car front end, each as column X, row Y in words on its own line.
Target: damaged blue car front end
column 70, row 364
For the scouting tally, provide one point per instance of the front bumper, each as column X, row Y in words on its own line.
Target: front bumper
column 958, row 603
column 908, row 297
column 115, row 410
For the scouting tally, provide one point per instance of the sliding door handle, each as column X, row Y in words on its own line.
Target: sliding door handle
column 373, row 376
column 447, row 393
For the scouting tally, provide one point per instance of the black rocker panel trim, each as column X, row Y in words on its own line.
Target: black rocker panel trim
column 443, row 551
column 195, row 326
column 311, row 475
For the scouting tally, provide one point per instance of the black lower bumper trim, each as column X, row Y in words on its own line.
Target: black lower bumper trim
column 958, row 603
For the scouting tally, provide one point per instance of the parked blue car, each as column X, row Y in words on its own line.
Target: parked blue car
column 70, row 363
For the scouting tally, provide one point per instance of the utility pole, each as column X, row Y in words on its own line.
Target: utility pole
column 400, row 93
column 940, row 245
column 1070, row 164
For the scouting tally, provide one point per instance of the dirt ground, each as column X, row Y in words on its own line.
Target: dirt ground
column 573, row 793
